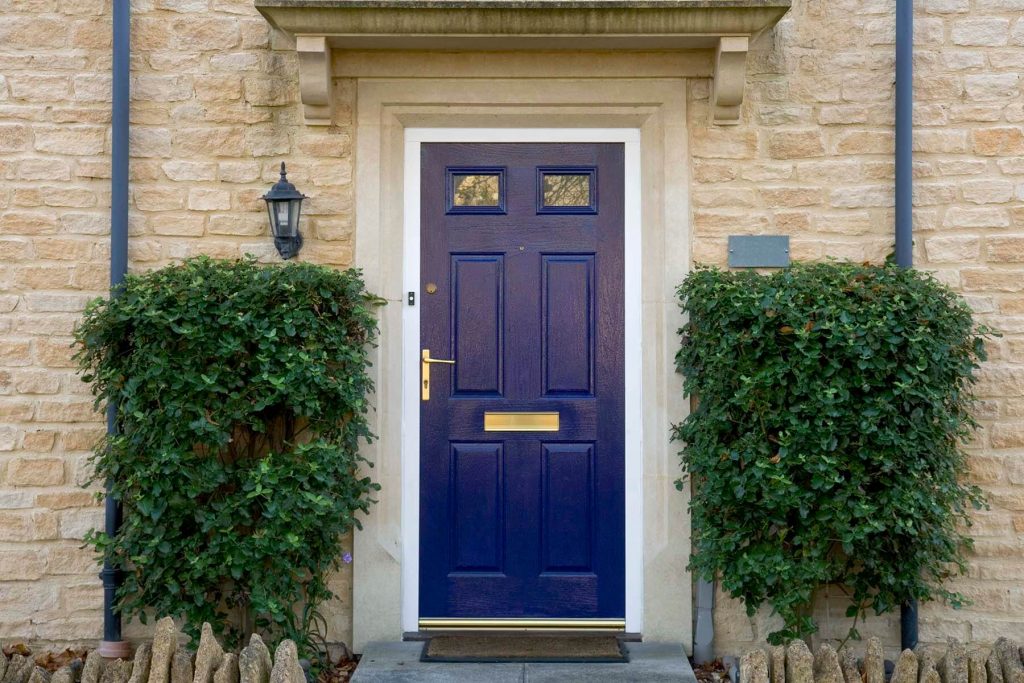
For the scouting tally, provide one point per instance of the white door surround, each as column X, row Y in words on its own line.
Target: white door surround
column 394, row 116
column 414, row 137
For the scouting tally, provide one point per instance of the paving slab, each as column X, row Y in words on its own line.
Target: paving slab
column 399, row 662
column 391, row 661
column 648, row 663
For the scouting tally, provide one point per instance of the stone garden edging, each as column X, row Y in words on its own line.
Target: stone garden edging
column 956, row 663
column 165, row 661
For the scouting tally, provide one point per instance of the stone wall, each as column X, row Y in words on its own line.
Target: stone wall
column 951, row 663
column 167, row 660
column 215, row 110
column 813, row 158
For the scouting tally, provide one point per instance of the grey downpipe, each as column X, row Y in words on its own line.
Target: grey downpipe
column 704, row 627
column 905, row 205
column 113, row 645
column 904, row 133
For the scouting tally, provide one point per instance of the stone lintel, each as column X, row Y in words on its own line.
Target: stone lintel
column 725, row 26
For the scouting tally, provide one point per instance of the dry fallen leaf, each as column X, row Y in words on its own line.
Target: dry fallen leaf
column 52, row 662
column 340, row 672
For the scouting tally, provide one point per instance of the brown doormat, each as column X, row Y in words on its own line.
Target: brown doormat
column 516, row 648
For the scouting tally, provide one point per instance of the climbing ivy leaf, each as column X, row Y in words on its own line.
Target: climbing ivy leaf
column 242, row 399
column 825, row 445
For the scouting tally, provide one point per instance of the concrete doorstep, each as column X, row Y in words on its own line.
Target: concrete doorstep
column 648, row 663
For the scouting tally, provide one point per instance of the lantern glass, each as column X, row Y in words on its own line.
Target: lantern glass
column 284, row 216
column 294, row 208
column 274, row 230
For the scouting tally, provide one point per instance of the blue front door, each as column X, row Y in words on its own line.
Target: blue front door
column 522, row 438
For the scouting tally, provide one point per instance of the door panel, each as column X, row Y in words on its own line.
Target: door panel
column 522, row 286
column 478, row 323
column 477, row 514
column 568, row 486
column 568, row 331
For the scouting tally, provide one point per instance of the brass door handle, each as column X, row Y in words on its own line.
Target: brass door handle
column 425, row 361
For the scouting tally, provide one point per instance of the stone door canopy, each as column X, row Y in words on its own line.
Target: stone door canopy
column 725, row 26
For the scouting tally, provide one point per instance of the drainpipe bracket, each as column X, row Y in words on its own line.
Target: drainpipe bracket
column 115, row 649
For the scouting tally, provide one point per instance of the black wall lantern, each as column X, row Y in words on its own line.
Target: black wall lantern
column 284, row 203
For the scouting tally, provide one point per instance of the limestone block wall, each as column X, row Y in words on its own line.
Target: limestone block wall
column 214, row 111
column 813, row 159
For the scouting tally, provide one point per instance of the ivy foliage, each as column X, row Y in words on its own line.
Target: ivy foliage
column 825, row 448
column 241, row 393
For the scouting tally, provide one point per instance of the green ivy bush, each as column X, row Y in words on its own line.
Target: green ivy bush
column 825, row 448
column 242, row 398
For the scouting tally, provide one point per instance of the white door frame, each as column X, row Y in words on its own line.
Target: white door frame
column 410, row 463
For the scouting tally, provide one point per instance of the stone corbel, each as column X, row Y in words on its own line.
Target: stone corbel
column 315, row 79
column 730, row 77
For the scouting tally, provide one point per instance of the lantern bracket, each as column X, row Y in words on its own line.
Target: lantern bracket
column 288, row 246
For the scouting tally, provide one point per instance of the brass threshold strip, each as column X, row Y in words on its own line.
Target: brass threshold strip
column 525, row 624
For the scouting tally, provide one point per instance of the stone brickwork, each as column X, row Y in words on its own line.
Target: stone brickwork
column 215, row 109
column 813, row 158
